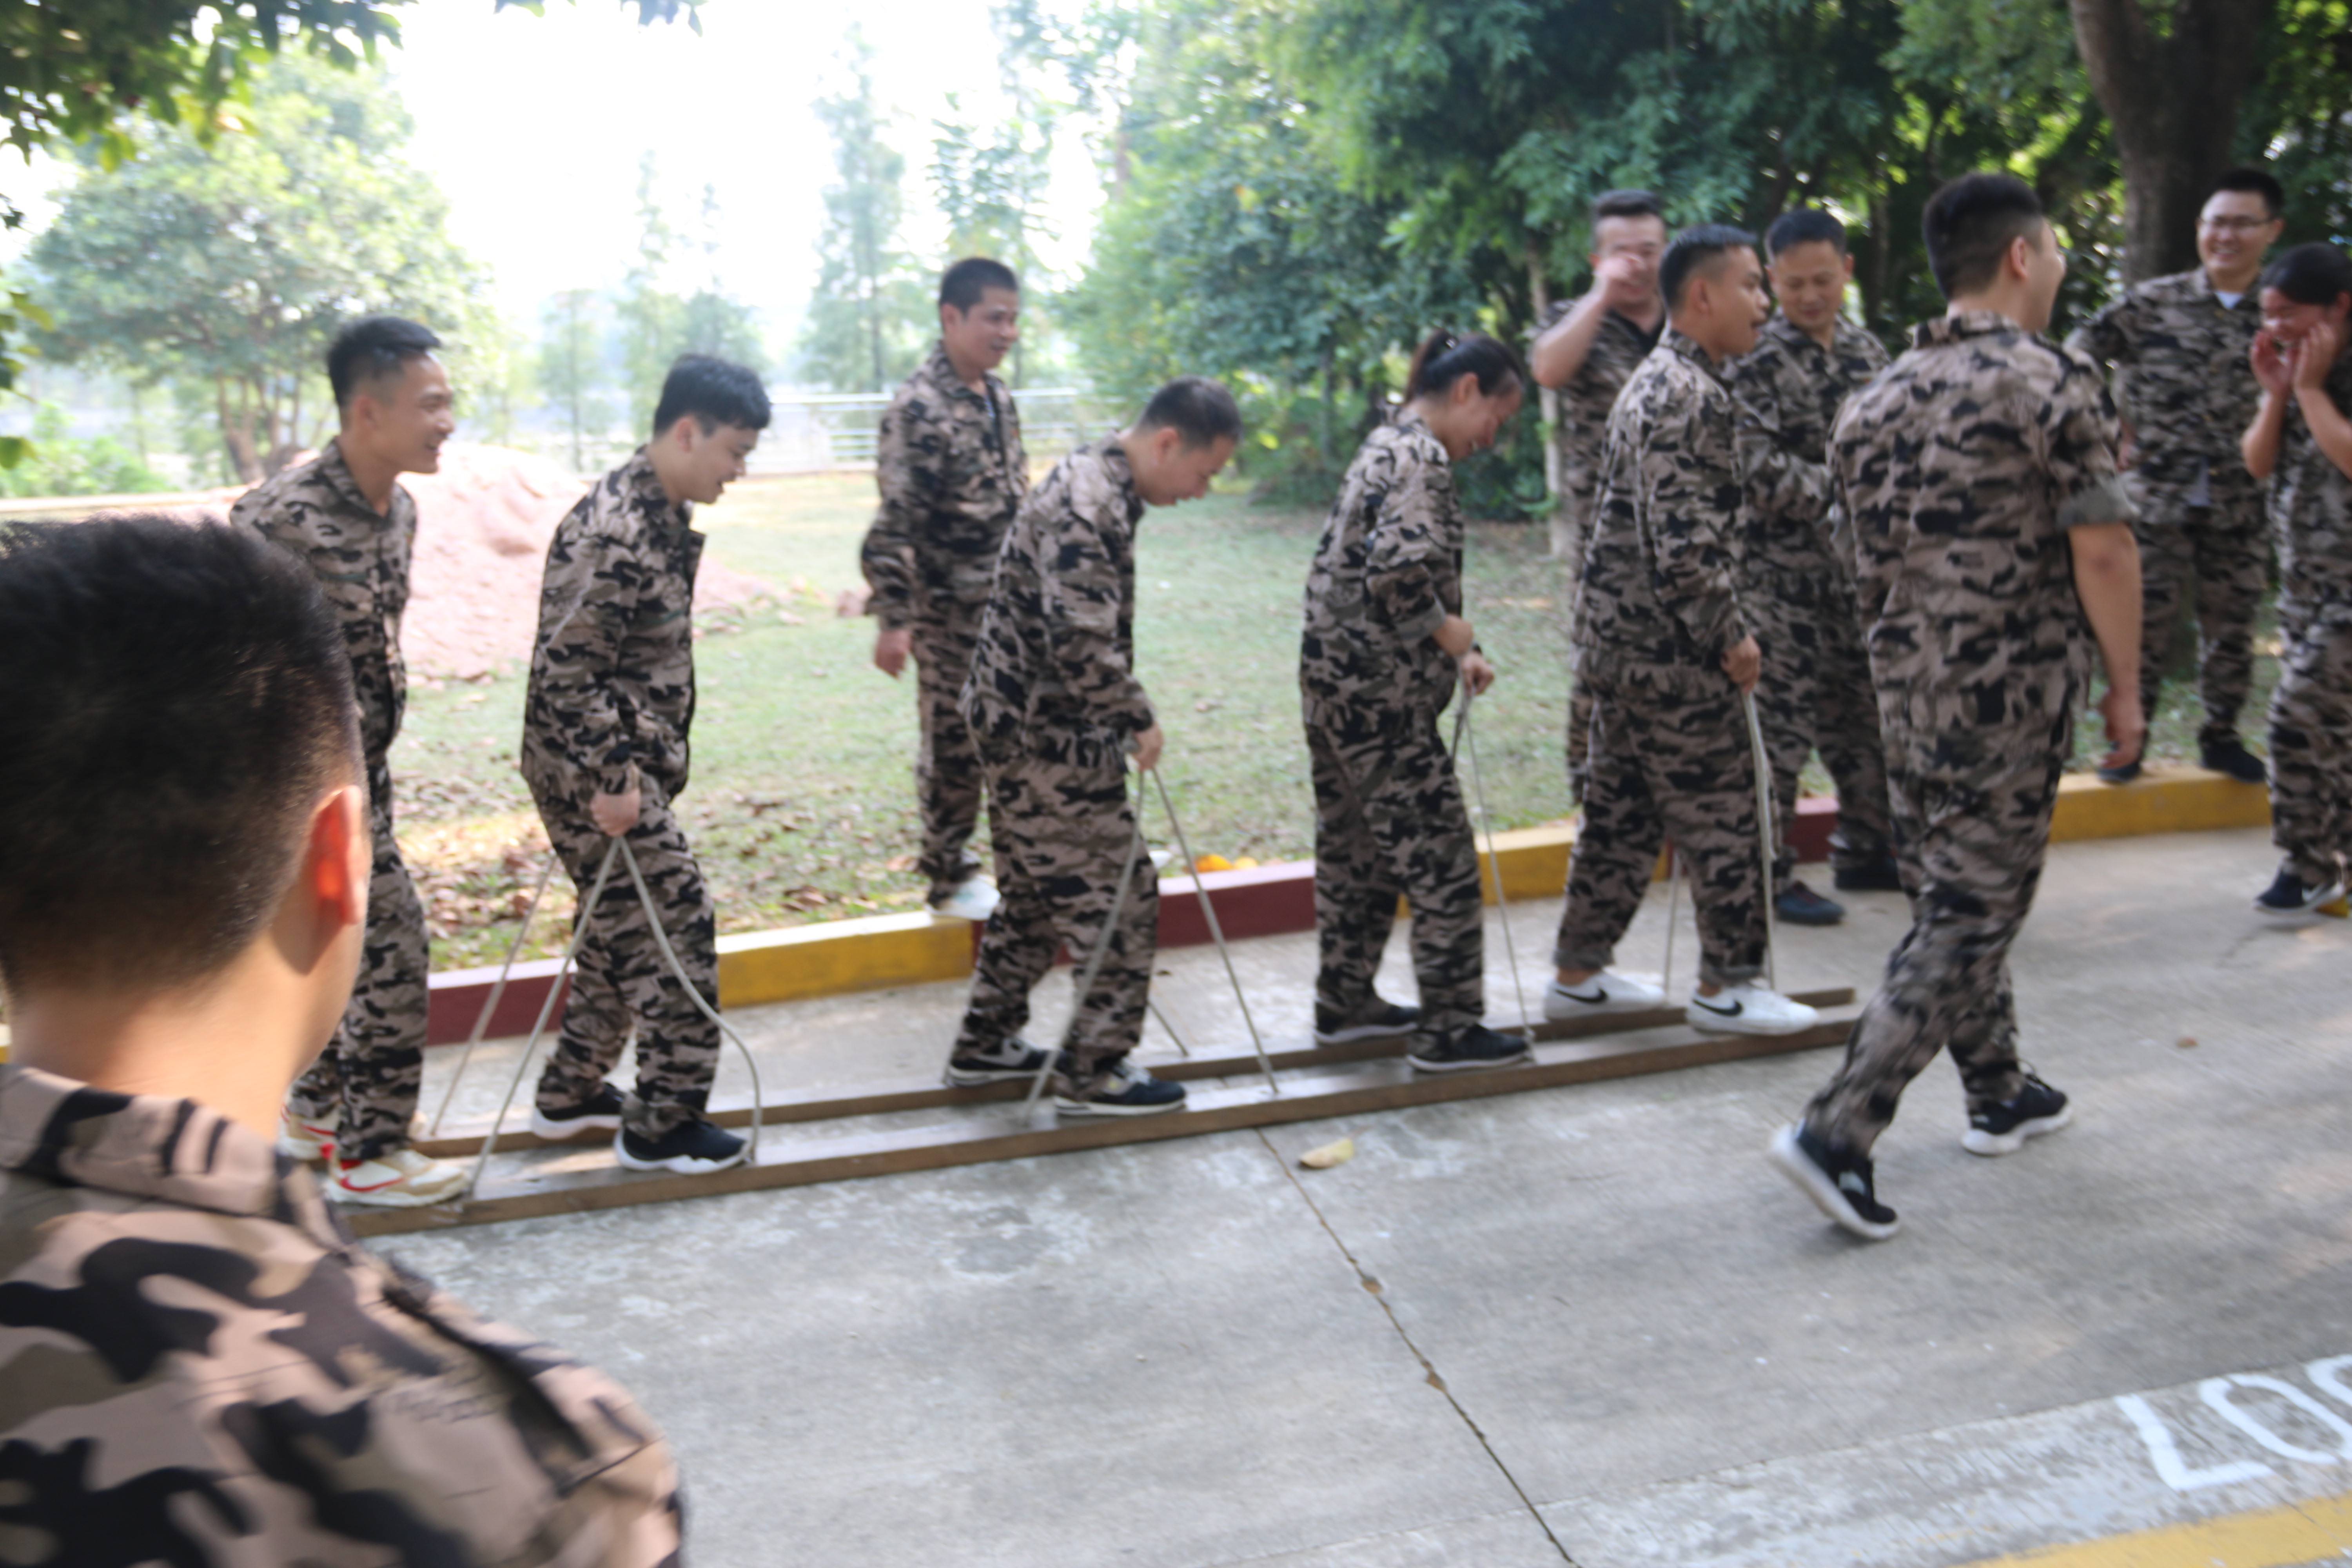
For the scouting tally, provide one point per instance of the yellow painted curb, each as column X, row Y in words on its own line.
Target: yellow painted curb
column 2272, row 1538
column 2176, row 800
column 829, row 959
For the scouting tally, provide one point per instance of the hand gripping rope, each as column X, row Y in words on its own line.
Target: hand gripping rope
column 1466, row 743
column 618, row 846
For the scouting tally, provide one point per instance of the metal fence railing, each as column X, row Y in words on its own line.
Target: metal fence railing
column 838, row 430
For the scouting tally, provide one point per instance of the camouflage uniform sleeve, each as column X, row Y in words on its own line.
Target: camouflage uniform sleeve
column 1779, row 481
column 1083, row 589
column 2078, row 433
column 1406, row 553
column 2106, row 337
column 1689, row 501
column 583, row 626
column 909, row 488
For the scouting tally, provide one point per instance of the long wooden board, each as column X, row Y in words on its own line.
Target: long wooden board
column 876, row 1099
column 1354, row 1090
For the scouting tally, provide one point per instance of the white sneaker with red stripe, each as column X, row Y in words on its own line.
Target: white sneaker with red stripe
column 309, row 1139
column 401, row 1179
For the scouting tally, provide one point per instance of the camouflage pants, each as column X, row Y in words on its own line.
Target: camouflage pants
column 1816, row 694
column 370, row 1072
column 1389, row 820
column 1063, row 829
column 1972, row 818
column 2219, row 555
column 621, row 981
column 948, row 779
column 1664, row 767
column 2311, row 754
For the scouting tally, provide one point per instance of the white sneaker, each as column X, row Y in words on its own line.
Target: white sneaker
column 403, row 1179
column 974, row 899
column 309, row 1139
column 1607, row 992
column 1748, row 1009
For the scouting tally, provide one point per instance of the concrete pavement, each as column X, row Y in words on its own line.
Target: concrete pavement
column 1586, row 1325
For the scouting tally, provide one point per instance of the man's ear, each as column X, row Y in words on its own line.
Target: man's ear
column 949, row 317
column 1849, row 265
column 337, row 860
column 2021, row 251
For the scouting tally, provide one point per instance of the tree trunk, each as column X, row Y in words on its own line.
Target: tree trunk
column 236, row 436
column 2173, row 99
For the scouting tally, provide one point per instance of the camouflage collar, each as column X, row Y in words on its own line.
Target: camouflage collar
column 174, row 1152
column 2250, row 299
column 1783, row 331
column 1688, row 349
column 637, row 479
column 337, row 473
column 1962, row 324
column 1122, row 474
column 941, row 372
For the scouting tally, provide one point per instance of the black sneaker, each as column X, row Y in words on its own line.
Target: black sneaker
column 599, row 1112
column 2122, row 775
column 692, row 1147
column 2003, row 1129
column 1801, row 906
column 1376, row 1020
column 1007, row 1059
column 1879, row 876
column 2290, row 896
column 2231, row 757
column 1467, row 1050
column 1122, row 1089
column 1840, row 1188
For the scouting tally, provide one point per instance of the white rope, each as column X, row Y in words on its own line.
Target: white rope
column 482, row 1022
column 1216, row 932
column 1467, row 740
column 1764, row 834
column 661, row 938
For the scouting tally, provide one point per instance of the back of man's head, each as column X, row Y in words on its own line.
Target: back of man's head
column 372, row 350
column 1970, row 225
column 1200, row 410
column 715, row 392
column 179, row 702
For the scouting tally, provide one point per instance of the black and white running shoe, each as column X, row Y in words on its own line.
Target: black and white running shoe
column 2290, row 896
column 2003, row 1129
column 693, row 1148
column 1005, row 1061
column 1122, row 1089
column 599, row 1112
column 1467, row 1050
column 1840, row 1188
column 1376, row 1020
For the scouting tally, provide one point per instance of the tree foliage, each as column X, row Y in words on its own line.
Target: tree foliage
column 866, row 319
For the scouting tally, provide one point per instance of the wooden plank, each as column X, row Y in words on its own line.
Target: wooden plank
column 876, row 1099
column 1362, row 1090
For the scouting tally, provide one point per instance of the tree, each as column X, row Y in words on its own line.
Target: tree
column 991, row 191
column 227, row 262
column 867, row 317
column 571, row 367
column 2172, row 75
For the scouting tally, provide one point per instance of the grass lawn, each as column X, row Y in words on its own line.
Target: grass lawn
column 802, row 801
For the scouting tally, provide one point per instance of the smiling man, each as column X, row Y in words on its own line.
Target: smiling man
column 2178, row 348
column 948, row 462
column 346, row 516
column 605, row 750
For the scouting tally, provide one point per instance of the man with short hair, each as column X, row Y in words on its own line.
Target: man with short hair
column 346, row 516
column 605, row 752
column 1666, row 644
column 1585, row 351
column 2179, row 346
column 1993, row 545
column 950, row 465
column 1055, row 711
column 1815, row 691
column 203, row 1367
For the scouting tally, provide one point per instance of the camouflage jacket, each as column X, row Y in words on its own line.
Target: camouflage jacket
column 611, row 670
column 2183, row 380
column 1386, row 575
column 1789, row 389
column 360, row 559
column 1583, row 431
column 2311, row 519
column 1056, row 644
column 950, row 465
column 1659, row 603
column 1963, row 468
column 199, row 1366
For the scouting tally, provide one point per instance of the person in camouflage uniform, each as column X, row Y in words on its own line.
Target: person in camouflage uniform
column 948, row 462
column 605, row 747
column 1663, row 642
column 2301, row 442
column 346, row 516
column 1583, row 351
column 2179, row 346
column 1055, row 709
column 1385, row 645
column 1816, row 689
column 1993, row 544
column 201, row 1365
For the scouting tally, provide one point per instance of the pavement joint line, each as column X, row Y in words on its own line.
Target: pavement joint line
column 1378, row 1293
column 2264, row 1538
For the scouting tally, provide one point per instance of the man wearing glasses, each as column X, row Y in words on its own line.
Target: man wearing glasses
column 2178, row 345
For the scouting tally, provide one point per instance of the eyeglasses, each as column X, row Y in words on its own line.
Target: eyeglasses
column 2235, row 225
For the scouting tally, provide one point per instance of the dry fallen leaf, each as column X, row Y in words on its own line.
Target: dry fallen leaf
column 2187, row 1042
column 1328, row 1155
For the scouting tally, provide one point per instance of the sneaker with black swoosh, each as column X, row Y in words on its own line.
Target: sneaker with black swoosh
column 1842, row 1187
column 1749, row 1008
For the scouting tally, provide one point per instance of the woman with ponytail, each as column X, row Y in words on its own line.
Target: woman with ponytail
column 1386, row 645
